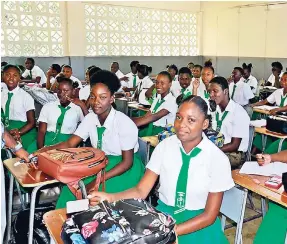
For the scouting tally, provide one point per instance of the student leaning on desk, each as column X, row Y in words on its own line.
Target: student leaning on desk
column 276, row 214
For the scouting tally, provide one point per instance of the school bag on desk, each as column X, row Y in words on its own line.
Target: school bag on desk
column 132, row 221
column 71, row 165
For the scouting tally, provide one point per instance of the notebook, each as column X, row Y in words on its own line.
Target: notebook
column 253, row 168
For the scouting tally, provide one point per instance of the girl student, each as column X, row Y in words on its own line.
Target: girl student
column 248, row 78
column 163, row 108
column 111, row 131
column 17, row 108
column 231, row 120
column 53, row 71
column 279, row 98
column 58, row 120
column 274, row 78
column 133, row 78
column 193, row 175
column 33, row 73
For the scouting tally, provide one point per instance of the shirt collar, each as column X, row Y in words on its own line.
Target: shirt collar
column 109, row 120
column 15, row 90
column 229, row 107
column 202, row 144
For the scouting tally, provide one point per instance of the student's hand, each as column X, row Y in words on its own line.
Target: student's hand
column 263, row 159
column 76, row 101
column 274, row 111
column 96, row 197
column 128, row 94
column 230, row 79
column 23, row 155
column 124, row 78
column 196, row 83
column 16, row 134
column 276, row 74
column 49, row 72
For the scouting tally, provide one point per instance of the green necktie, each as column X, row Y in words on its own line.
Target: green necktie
column 158, row 103
column 7, row 109
column 180, row 194
column 246, row 80
column 206, row 94
column 61, row 119
column 182, row 90
column 135, row 81
column 150, row 100
column 283, row 98
column 100, row 131
column 234, row 87
column 219, row 121
column 30, row 75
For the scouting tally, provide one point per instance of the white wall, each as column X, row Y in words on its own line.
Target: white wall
column 234, row 29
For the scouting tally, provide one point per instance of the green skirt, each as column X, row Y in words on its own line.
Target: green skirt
column 50, row 139
column 150, row 130
column 27, row 137
column 267, row 232
column 211, row 234
column 119, row 183
column 272, row 144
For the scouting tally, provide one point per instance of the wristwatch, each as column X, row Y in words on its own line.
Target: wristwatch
column 16, row 148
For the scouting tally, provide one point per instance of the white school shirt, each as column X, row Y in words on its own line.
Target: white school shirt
column 271, row 78
column 209, row 171
column 144, row 84
column 170, row 105
column 21, row 103
column 51, row 112
column 252, row 82
column 200, row 89
column 120, row 75
column 121, row 133
column 130, row 82
column 3, row 86
column 275, row 97
column 52, row 80
column 36, row 72
column 84, row 93
column 242, row 92
column 75, row 79
column 235, row 124
column 175, row 87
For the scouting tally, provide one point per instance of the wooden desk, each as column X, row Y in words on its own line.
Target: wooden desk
column 246, row 181
column 153, row 140
column 54, row 221
column 138, row 107
column 261, row 111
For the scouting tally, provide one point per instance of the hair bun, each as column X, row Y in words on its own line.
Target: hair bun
column 208, row 63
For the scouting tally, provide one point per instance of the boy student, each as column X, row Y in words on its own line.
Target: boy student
column 33, row 74
column 53, row 71
column 17, row 108
column 248, row 78
column 274, row 78
column 163, row 108
column 115, row 68
column 239, row 91
column 184, row 77
column 67, row 71
column 133, row 79
column 193, row 175
column 231, row 120
column 111, row 131
column 197, row 85
column 58, row 120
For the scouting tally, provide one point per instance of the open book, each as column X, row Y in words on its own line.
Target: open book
column 253, row 168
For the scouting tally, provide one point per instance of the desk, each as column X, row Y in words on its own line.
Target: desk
column 137, row 106
column 27, row 177
column 54, row 221
column 261, row 111
column 264, row 132
column 153, row 140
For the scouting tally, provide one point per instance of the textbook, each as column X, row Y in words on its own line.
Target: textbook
column 253, row 168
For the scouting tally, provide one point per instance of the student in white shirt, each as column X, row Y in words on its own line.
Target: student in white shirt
column 197, row 85
column 184, row 77
column 111, row 131
column 190, row 66
column 274, row 78
column 33, row 73
column 17, row 108
column 231, row 120
column 53, row 71
column 133, row 79
column 193, row 175
column 58, row 120
column 115, row 68
column 67, row 71
column 163, row 108
column 248, row 78
column 175, row 87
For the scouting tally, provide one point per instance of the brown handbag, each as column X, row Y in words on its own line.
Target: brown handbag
column 71, row 165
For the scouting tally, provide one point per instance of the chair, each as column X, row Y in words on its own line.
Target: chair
column 122, row 105
column 251, row 137
column 144, row 150
column 233, row 207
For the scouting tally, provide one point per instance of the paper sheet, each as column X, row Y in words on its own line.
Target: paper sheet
column 253, row 168
column 265, row 107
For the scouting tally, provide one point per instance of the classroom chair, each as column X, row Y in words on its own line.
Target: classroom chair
column 144, row 150
column 122, row 105
column 233, row 207
column 251, row 137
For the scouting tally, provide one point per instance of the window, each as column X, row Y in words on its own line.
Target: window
column 127, row 31
column 31, row 29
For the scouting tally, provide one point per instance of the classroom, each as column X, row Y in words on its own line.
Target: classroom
column 143, row 122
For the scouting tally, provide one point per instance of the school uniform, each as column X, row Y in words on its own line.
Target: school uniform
column 143, row 86
column 84, row 93
column 240, row 92
column 75, row 79
column 168, row 103
column 118, row 133
column 186, row 179
column 61, row 123
column 52, row 80
column 3, row 86
column 201, row 90
column 14, row 106
column 175, row 88
column 233, row 122
column 36, row 71
column 252, row 82
column 133, row 80
column 120, row 75
column 271, row 78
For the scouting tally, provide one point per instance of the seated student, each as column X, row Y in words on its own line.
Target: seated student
column 115, row 68
column 190, row 66
column 276, row 213
column 3, row 85
column 193, row 175
column 239, row 91
column 133, row 79
column 67, row 71
column 197, row 85
column 248, row 78
column 274, row 78
column 53, row 71
column 231, row 120
column 163, row 108
column 279, row 98
column 17, row 108
column 175, row 87
column 184, row 77
column 33, row 73
column 109, row 130
column 84, row 93
column 58, row 120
